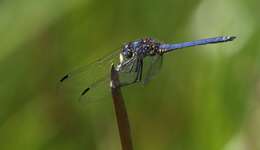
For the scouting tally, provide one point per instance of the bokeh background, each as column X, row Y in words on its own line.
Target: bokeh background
column 205, row 98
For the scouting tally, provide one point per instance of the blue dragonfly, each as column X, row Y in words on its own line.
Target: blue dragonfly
column 136, row 62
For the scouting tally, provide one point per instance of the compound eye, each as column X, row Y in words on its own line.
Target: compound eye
column 128, row 54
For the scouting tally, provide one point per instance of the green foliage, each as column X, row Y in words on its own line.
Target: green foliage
column 205, row 98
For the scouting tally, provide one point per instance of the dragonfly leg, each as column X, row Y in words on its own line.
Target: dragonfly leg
column 131, row 68
column 140, row 70
column 137, row 70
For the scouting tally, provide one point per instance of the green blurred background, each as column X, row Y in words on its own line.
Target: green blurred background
column 205, row 98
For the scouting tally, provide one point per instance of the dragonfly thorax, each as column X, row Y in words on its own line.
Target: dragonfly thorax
column 139, row 48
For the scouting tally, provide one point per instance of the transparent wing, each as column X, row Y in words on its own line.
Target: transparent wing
column 152, row 66
column 88, row 83
column 100, row 88
column 128, row 72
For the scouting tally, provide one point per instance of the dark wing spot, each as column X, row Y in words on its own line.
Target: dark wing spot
column 64, row 78
column 85, row 91
column 231, row 38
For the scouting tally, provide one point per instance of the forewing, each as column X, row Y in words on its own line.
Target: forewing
column 88, row 83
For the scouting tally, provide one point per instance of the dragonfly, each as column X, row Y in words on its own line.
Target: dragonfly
column 136, row 62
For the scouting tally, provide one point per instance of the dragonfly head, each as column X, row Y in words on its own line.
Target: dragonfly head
column 128, row 51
